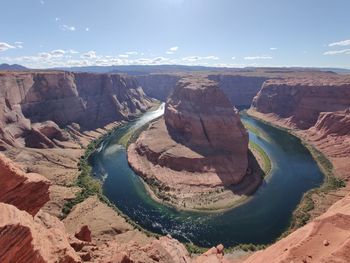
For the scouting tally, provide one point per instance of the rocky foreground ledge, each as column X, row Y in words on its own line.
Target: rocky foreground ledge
column 196, row 156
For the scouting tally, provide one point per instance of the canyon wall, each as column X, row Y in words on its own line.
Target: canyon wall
column 158, row 86
column 318, row 108
column 239, row 89
column 27, row 235
column 62, row 98
column 302, row 100
column 201, row 116
column 26, row 191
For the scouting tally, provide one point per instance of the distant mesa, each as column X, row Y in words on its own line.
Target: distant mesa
column 14, row 67
column 199, row 147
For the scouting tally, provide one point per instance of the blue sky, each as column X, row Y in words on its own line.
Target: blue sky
column 236, row 33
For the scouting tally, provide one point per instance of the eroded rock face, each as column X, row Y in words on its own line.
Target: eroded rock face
column 163, row 250
column 26, row 191
column 23, row 239
column 302, row 100
column 239, row 89
column 58, row 99
column 198, row 114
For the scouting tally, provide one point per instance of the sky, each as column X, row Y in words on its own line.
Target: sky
column 226, row 33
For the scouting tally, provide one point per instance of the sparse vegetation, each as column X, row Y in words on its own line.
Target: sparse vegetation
column 301, row 215
column 267, row 166
column 93, row 186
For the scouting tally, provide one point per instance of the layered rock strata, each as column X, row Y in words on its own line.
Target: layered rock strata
column 26, row 191
column 300, row 101
column 24, row 239
column 27, row 99
column 317, row 109
column 199, row 145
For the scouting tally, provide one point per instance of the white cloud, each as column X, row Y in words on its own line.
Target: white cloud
column 4, row 46
column 340, row 43
column 191, row 59
column 210, row 57
column 197, row 58
column 257, row 57
column 337, row 52
column 67, row 28
column 159, row 59
column 45, row 55
column 19, row 44
column 123, row 56
column 87, row 29
column 233, row 58
column 57, row 53
column 57, row 19
column 72, row 51
column 90, row 54
column 172, row 50
column 273, row 48
column 131, row 53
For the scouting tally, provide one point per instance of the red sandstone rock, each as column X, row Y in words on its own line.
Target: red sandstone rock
column 91, row 100
column 200, row 115
column 23, row 240
column 213, row 255
column 199, row 145
column 164, row 250
column 302, row 100
column 84, row 234
column 26, row 191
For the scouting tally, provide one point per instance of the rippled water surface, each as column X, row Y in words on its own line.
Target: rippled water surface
column 260, row 220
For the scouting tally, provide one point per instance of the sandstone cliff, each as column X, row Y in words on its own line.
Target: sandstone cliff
column 158, row 86
column 29, row 235
column 239, row 89
column 26, row 191
column 316, row 107
column 302, row 100
column 90, row 100
column 23, row 239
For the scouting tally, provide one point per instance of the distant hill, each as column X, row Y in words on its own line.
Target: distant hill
column 145, row 69
column 14, row 67
column 148, row 69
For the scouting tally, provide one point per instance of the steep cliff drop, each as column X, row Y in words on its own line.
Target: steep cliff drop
column 193, row 155
column 36, row 106
column 316, row 108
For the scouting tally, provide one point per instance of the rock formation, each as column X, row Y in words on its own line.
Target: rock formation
column 62, row 98
column 302, row 100
column 26, row 191
column 199, row 145
column 239, row 89
column 158, row 86
column 164, row 250
column 316, row 107
column 23, row 239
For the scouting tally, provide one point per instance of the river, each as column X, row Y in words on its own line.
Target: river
column 260, row 220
